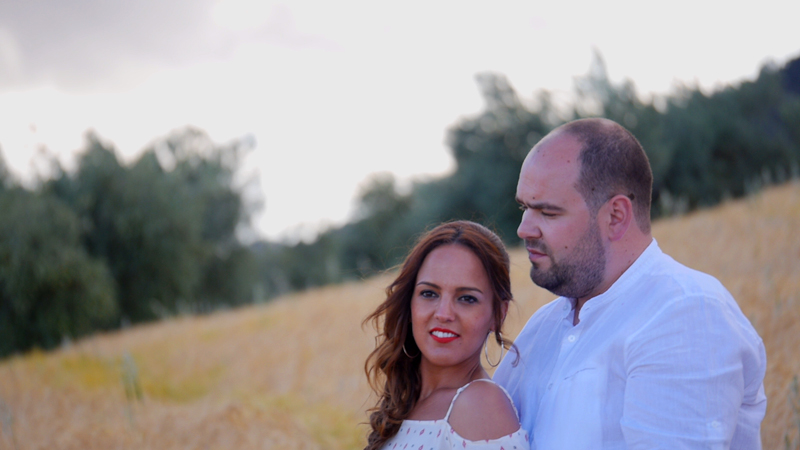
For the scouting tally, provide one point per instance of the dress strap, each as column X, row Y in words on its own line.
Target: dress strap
column 458, row 392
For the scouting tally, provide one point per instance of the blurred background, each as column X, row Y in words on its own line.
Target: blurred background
column 184, row 156
column 169, row 159
column 174, row 156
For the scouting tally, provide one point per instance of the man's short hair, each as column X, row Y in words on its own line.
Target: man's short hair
column 612, row 162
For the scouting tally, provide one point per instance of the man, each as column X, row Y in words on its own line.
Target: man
column 639, row 351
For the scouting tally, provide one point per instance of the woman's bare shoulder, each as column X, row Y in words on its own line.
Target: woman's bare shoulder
column 483, row 411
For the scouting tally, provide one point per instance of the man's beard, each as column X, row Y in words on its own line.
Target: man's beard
column 578, row 273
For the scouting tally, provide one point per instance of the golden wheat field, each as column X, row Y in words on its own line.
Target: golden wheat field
column 289, row 374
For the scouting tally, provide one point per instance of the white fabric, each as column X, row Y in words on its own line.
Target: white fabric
column 438, row 434
column 664, row 359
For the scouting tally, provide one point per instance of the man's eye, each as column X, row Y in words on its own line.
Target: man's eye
column 523, row 208
column 548, row 214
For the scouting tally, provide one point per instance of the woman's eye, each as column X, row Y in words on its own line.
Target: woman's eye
column 468, row 299
column 427, row 294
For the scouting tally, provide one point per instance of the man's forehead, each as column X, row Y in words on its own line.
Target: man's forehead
column 557, row 147
column 551, row 170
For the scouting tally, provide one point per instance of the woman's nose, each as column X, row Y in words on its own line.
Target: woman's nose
column 444, row 310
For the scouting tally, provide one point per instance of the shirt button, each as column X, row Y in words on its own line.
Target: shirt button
column 550, row 386
column 565, row 307
column 715, row 424
column 571, row 338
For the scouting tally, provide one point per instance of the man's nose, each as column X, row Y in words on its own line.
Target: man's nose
column 528, row 226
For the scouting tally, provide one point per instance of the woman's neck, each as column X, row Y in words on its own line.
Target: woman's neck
column 435, row 378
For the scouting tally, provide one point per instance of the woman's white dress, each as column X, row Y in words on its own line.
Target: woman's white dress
column 438, row 434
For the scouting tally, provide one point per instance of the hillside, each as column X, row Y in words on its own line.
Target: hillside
column 289, row 374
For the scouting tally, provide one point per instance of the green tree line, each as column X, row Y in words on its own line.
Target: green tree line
column 703, row 148
column 112, row 243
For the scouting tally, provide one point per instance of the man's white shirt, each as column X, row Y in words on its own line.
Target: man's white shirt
column 664, row 359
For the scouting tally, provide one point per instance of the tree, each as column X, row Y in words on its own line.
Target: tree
column 723, row 141
column 5, row 175
column 50, row 288
column 165, row 225
column 228, row 272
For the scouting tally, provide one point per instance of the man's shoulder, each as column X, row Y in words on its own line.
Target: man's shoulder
column 679, row 279
column 676, row 292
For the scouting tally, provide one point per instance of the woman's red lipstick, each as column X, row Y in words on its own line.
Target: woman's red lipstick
column 443, row 336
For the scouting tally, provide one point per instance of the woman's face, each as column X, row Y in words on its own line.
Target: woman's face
column 451, row 310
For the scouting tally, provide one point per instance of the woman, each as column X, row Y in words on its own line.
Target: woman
column 452, row 292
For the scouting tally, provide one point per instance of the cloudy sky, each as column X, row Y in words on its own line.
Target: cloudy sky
column 333, row 91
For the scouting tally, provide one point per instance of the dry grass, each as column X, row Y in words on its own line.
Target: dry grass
column 289, row 374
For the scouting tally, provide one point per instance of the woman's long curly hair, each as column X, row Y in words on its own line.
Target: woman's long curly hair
column 393, row 367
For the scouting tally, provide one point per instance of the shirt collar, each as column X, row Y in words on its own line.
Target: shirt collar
column 642, row 264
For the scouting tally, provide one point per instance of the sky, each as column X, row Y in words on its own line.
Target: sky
column 333, row 92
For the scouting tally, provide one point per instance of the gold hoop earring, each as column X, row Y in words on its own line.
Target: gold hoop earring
column 486, row 349
column 406, row 352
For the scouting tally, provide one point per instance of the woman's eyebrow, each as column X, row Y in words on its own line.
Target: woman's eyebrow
column 469, row 289
column 464, row 288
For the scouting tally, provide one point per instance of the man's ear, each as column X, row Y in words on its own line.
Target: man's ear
column 618, row 217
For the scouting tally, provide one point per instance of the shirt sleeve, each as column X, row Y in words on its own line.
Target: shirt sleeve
column 688, row 375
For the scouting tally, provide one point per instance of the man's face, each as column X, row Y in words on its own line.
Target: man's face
column 560, row 233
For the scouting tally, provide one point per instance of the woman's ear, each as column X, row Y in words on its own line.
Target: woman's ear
column 503, row 312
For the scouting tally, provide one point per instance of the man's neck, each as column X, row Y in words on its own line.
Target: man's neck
column 621, row 259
